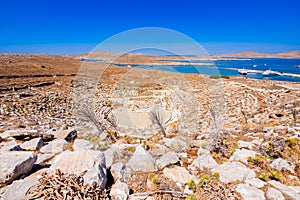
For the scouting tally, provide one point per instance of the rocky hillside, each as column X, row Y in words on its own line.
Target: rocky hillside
column 142, row 134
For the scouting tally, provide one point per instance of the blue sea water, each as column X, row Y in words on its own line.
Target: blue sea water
column 225, row 67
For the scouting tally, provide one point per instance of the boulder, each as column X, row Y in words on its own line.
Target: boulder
column 177, row 144
column 290, row 193
column 273, row 194
column 249, row 192
column 54, row 147
column 15, row 163
column 233, row 171
column 141, row 161
column 255, row 182
column 119, row 191
column 33, row 144
column 11, row 145
column 178, row 174
column 167, row 159
column 41, row 158
column 203, row 162
column 89, row 162
column 120, row 172
column 18, row 189
column 80, row 144
column 109, row 157
column 242, row 155
column 282, row 164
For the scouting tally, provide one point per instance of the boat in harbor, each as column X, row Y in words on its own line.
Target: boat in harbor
column 247, row 71
column 269, row 72
column 243, row 71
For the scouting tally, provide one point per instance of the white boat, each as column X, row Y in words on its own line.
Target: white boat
column 269, row 72
column 243, row 71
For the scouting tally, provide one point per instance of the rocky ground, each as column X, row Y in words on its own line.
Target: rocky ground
column 141, row 134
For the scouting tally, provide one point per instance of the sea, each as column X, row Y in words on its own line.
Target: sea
column 230, row 67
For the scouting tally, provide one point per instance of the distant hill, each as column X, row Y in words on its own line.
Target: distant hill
column 289, row 54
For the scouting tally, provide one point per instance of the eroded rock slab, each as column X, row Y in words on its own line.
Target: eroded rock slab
column 167, row 159
column 77, row 162
column 33, row 144
column 119, row 191
column 141, row 161
column 14, row 164
column 290, row 193
column 55, row 146
column 242, row 155
column 178, row 174
column 233, row 171
column 17, row 190
column 250, row 193
column 204, row 162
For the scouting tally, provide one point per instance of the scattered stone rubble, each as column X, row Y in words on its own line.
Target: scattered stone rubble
column 256, row 156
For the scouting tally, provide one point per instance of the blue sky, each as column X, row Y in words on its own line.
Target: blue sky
column 69, row 27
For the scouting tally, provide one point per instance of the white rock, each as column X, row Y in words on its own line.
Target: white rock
column 242, row 155
column 290, row 193
column 244, row 144
column 33, row 144
column 167, row 159
column 14, row 164
column 233, row 171
column 17, row 190
column 255, row 182
column 76, row 162
column 249, row 192
column 202, row 151
column 119, row 191
column 11, row 145
column 141, row 161
column 120, row 172
column 80, row 144
column 178, row 174
column 204, row 162
column 177, row 144
column 43, row 157
column 282, row 164
column 109, row 157
column 55, row 146
column 273, row 194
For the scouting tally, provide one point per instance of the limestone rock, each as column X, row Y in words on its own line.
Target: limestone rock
column 273, row 194
column 77, row 162
column 249, row 192
column 109, row 156
column 119, row 191
column 33, row 144
column 177, row 144
column 204, row 162
column 43, row 158
column 11, row 145
column 167, row 159
column 282, row 164
column 178, row 174
column 233, row 171
column 242, row 155
column 80, row 144
column 255, row 182
column 14, row 164
column 141, row 161
column 17, row 190
column 120, row 172
column 244, row 144
column 55, row 146
column 290, row 193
